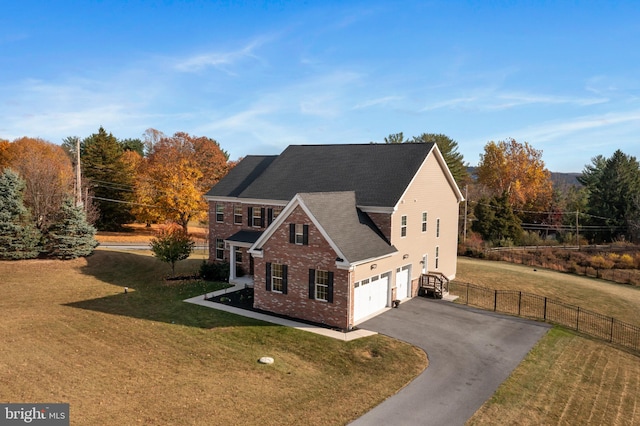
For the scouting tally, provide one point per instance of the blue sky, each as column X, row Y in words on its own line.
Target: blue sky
column 258, row 76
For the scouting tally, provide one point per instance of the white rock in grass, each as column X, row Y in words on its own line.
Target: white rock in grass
column 266, row 360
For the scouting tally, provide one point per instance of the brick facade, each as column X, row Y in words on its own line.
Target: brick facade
column 383, row 222
column 228, row 227
column 318, row 254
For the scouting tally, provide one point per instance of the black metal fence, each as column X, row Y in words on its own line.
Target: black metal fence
column 543, row 308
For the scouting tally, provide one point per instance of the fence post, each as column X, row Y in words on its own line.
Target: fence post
column 467, row 302
column 545, row 309
column 611, row 334
column 495, row 300
column 519, row 301
column 578, row 320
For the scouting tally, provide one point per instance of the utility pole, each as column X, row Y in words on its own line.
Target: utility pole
column 79, row 202
column 577, row 232
column 466, row 196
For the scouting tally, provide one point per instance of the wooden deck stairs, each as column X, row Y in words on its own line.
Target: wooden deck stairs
column 433, row 284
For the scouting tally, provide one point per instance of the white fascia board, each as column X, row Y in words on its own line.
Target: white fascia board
column 258, row 201
column 445, row 170
column 322, row 231
column 256, row 253
column 238, row 243
column 373, row 259
column 377, row 209
column 448, row 175
column 288, row 209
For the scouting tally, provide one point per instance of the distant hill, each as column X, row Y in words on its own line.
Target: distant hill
column 558, row 178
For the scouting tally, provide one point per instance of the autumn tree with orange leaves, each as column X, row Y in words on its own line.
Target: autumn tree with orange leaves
column 47, row 173
column 174, row 176
column 516, row 169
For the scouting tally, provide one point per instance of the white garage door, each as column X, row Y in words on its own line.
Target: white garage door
column 370, row 296
column 402, row 282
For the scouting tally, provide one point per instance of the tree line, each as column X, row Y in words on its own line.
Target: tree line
column 512, row 199
column 155, row 179
column 160, row 178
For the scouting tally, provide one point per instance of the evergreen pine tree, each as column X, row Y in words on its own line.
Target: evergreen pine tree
column 19, row 239
column 111, row 181
column 70, row 236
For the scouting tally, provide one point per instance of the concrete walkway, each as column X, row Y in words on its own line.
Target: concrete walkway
column 201, row 300
column 471, row 352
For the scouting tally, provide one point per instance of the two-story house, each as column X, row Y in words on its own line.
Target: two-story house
column 336, row 233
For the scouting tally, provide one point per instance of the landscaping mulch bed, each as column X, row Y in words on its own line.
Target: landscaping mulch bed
column 243, row 299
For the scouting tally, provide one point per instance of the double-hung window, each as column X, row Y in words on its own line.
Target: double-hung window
column 403, row 226
column 237, row 214
column 437, row 256
column 219, row 248
column 276, row 277
column 299, row 234
column 321, row 285
column 438, row 228
column 219, row 212
column 424, row 221
column 255, row 217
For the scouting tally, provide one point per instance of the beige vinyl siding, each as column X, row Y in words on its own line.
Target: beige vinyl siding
column 430, row 191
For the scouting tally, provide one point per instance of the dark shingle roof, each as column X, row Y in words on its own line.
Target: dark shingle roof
column 351, row 230
column 242, row 175
column 245, row 236
column 377, row 173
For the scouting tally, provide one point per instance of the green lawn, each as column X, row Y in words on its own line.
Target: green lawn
column 70, row 334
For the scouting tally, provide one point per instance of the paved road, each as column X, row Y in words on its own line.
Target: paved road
column 140, row 246
column 471, row 352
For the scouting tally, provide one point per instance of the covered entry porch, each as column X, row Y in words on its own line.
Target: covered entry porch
column 240, row 261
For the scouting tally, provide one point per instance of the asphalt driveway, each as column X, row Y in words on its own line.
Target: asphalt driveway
column 471, row 352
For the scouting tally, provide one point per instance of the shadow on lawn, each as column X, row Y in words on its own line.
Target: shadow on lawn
column 149, row 295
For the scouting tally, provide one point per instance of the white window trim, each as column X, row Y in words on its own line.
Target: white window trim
column 256, row 213
column 403, row 227
column 236, row 215
column 425, row 217
column 299, row 234
column 221, row 213
column 222, row 248
column 274, row 277
column 317, row 285
column 438, row 228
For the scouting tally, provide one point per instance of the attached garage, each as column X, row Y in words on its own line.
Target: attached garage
column 402, row 282
column 370, row 296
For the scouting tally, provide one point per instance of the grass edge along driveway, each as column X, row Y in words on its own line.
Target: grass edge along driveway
column 71, row 334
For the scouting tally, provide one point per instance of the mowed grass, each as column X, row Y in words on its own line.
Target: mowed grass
column 69, row 333
column 567, row 378
column 616, row 300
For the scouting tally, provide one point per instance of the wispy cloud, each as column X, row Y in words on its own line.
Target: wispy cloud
column 221, row 60
column 559, row 130
column 495, row 100
column 382, row 101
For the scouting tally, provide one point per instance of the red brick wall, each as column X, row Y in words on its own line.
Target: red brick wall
column 227, row 228
column 299, row 259
column 383, row 222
